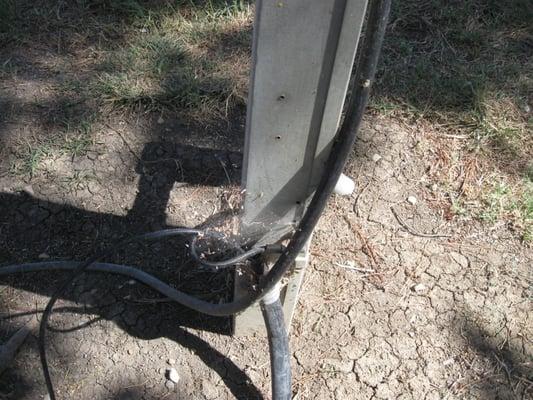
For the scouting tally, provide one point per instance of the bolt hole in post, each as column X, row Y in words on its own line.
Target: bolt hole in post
column 281, row 97
column 278, row 137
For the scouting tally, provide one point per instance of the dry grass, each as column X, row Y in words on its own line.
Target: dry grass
column 463, row 71
column 185, row 56
column 186, row 60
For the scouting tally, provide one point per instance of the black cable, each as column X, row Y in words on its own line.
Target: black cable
column 125, row 270
column 278, row 343
column 230, row 262
column 78, row 271
column 272, row 313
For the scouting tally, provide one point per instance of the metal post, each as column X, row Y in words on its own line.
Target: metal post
column 302, row 57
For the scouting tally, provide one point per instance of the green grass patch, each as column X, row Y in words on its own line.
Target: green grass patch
column 30, row 159
column 72, row 141
column 77, row 146
column 511, row 204
column 496, row 203
column 78, row 180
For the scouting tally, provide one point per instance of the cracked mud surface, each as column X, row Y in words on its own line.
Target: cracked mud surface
column 438, row 317
column 383, row 314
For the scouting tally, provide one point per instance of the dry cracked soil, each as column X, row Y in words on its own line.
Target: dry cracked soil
column 403, row 298
column 397, row 303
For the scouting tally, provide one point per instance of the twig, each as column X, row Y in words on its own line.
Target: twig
column 460, row 137
column 412, row 232
column 505, row 368
column 225, row 171
column 368, row 249
column 350, row 267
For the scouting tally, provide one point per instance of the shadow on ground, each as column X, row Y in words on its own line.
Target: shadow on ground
column 512, row 371
column 66, row 64
column 17, row 384
column 466, row 66
column 30, row 226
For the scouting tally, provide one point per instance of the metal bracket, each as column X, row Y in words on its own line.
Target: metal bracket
column 251, row 320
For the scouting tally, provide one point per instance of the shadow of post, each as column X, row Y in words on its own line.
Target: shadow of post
column 30, row 226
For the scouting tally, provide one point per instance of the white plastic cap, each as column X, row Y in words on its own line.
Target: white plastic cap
column 345, row 186
column 273, row 295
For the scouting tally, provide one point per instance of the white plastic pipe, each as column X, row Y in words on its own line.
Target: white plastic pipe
column 345, row 186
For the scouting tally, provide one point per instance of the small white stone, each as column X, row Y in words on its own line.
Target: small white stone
column 170, row 385
column 171, row 361
column 376, row 157
column 160, row 120
column 420, row 288
column 172, row 375
column 412, row 200
column 209, row 390
column 449, row 361
column 43, row 256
